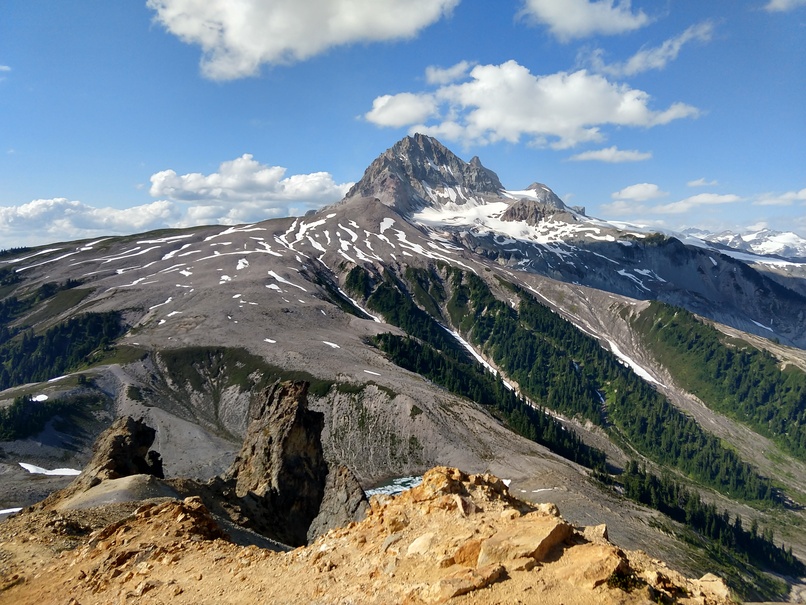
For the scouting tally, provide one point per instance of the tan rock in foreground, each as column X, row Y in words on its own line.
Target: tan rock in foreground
column 455, row 538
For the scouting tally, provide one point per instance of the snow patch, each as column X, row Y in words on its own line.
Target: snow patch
column 38, row 470
column 386, row 223
column 170, row 298
column 632, row 363
column 331, row 344
column 283, row 280
column 762, row 326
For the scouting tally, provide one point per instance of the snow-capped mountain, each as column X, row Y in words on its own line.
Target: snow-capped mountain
column 785, row 244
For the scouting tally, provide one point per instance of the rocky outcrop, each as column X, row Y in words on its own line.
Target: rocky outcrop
column 121, row 451
column 277, row 486
column 344, row 502
column 456, row 538
column 279, row 475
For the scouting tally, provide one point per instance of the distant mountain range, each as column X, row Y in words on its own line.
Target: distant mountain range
column 786, row 244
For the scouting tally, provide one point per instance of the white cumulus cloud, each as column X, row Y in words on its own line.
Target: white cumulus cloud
column 570, row 19
column 241, row 191
column 780, row 6
column 60, row 219
column 401, row 109
column 237, row 37
column 244, row 179
column 507, row 102
column 648, row 59
column 640, row 192
column 612, row 155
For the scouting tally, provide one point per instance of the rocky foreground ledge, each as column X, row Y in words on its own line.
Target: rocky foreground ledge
column 456, row 538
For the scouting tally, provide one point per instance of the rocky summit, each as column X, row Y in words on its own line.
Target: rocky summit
column 455, row 538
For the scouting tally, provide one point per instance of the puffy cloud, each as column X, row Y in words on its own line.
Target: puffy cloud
column 779, row 6
column 401, row 109
column 238, row 37
column 244, row 179
column 242, row 191
column 652, row 58
column 506, row 102
column 569, row 19
column 640, row 192
column 696, row 201
column 440, row 75
column 701, row 182
column 59, row 219
column 612, row 155
column 781, row 199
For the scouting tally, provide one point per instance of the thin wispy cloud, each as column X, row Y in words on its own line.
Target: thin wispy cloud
column 612, row 155
column 507, row 103
column 4, row 68
column 632, row 202
column 572, row 19
column 446, row 75
column 780, row 6
column 655, row 58
column 237, row 38
column 702, row 182
column 781, row 199
column 695, row 201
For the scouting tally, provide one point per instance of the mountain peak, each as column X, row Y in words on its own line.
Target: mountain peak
column 418, row 171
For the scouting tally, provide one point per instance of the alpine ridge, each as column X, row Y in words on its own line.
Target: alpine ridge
column 439, row 319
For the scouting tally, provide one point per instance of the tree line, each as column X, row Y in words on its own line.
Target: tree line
column 729, row 375
column 31, row 357
column 563, row 368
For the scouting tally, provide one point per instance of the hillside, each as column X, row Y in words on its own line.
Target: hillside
column 441, row 320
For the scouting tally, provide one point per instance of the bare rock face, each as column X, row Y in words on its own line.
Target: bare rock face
column 279, row 476
column 121, row 451
column 343, row 503
column 401, row 175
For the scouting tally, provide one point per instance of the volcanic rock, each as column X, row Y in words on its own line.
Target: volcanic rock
column 121, row 451
column 279, row 475
column 424, row 546
column 401, row 176
column 344, row 502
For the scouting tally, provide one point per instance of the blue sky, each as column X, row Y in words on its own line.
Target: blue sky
column 120, row 117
